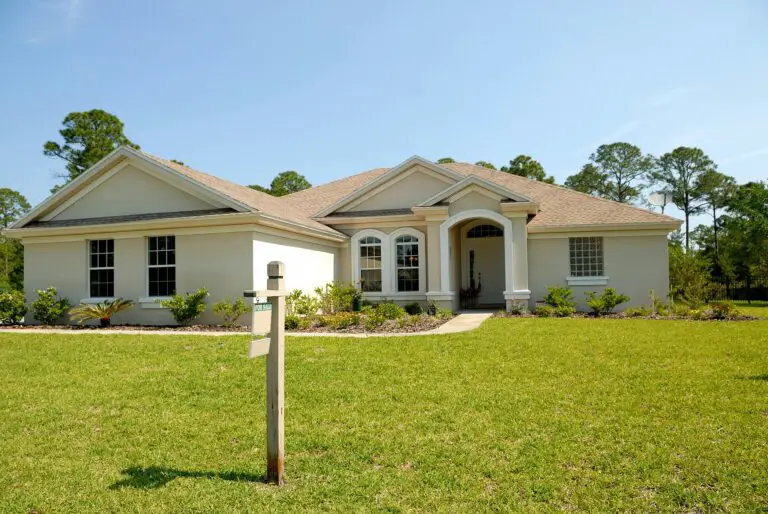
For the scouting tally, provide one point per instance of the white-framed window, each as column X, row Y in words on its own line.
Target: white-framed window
column 586, row 256
column 101, row 268
column 407, row 263
column 370, row 264
column 161, row 265
column 389, row 265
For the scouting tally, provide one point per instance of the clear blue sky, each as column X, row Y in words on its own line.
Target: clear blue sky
column 245, row 90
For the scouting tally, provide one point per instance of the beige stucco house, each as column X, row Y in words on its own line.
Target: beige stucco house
column 140, row 227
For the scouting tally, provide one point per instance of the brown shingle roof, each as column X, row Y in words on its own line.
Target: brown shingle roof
column 558, row 205
column 256, row 200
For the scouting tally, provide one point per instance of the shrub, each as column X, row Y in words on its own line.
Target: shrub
column 544, row 311
column 292, row 322
column 680, row 310
column 290, row 302
column 337, row 297
column 374, row 320
column 389, row 311
column 518, row 308
column 342, row 320
column 564, row 311
column 102, row 311
column 606, row 302
column 658, row 307
column 443, row 313
column 431, row 308
column 559, row 296
column 48, row 307
column 637, row 312
column 723, row 311
column 186, row 309
column 414, row 309
column 230, row 311
column 12, row 307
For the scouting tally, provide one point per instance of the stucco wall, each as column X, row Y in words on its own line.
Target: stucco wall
column 132, row 191
column 220, row 262
column 307, row 265
column 635, row 265
column 472, row 201
column 405, row 193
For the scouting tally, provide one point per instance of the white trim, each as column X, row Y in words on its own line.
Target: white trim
column 587, row 281
column 441, row 296
column 94, row 301
column 148, row 266
column 409, row 231
column 600, row 227
column 386, row 185
column 386, row 177
column 385, row 258
column 115, row 157
column 520, row 294
column 66, row 204
column 474, row 180
column 608, row 233
column 152, row 302
column 395, row 296
column 506, row 223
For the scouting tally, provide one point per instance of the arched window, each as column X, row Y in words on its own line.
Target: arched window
column 407, row 263
column 370, row 264
column 481, row 231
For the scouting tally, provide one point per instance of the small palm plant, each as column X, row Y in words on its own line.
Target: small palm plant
column 101, row 311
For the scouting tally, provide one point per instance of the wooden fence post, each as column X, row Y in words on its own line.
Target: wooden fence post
column 276, row 375
column 274, row 349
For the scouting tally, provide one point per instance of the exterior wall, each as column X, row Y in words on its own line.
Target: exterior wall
column 63, row 265
column 220, row 262
column 307, row 265
column 472, row 201
column 405, row 193
column 634, row 265
column 132, row 191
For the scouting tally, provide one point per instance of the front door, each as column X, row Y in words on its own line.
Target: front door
column 483, row 264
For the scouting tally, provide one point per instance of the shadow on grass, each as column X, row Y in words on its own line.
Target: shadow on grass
column 154, row 477
column 763, row 376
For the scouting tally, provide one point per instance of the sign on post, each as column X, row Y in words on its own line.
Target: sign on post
column 274, row 349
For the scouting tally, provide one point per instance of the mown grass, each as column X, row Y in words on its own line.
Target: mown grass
column 757, row 309
column 522, row 414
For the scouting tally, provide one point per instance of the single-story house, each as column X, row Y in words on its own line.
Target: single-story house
column 140, row 227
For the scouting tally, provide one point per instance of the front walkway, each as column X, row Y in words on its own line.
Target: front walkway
column 464, row 322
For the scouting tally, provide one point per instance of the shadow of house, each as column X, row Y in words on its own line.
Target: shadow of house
column 153, row 477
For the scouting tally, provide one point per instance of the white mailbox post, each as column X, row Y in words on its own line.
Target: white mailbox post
column 274, row 349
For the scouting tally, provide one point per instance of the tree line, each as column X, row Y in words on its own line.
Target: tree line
column 733, row 245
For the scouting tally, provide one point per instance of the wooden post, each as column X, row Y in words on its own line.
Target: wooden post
column 276, row 375
column 274, row 349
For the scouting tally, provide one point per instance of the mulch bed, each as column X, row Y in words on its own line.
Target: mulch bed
column 407, row 325
column 137, row 328
column 621, row 315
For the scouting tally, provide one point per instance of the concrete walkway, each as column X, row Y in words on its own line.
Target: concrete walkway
column 464, row 322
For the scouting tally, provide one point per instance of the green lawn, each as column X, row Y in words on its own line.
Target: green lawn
column 522, row 414
column 758, row 309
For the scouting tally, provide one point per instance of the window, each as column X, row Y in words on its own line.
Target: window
column 102, row 268
column 586, row 254
column 162, row 266
column 407, row 265
column 481, row 231
column 370, row 264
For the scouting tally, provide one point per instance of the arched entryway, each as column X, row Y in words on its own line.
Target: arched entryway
column 476, row 252
column 482, row 264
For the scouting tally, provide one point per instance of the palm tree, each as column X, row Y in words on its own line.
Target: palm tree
column 101, row 311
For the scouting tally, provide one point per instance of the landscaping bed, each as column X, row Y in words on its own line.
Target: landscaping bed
column 362, row 323
column 137, row 328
